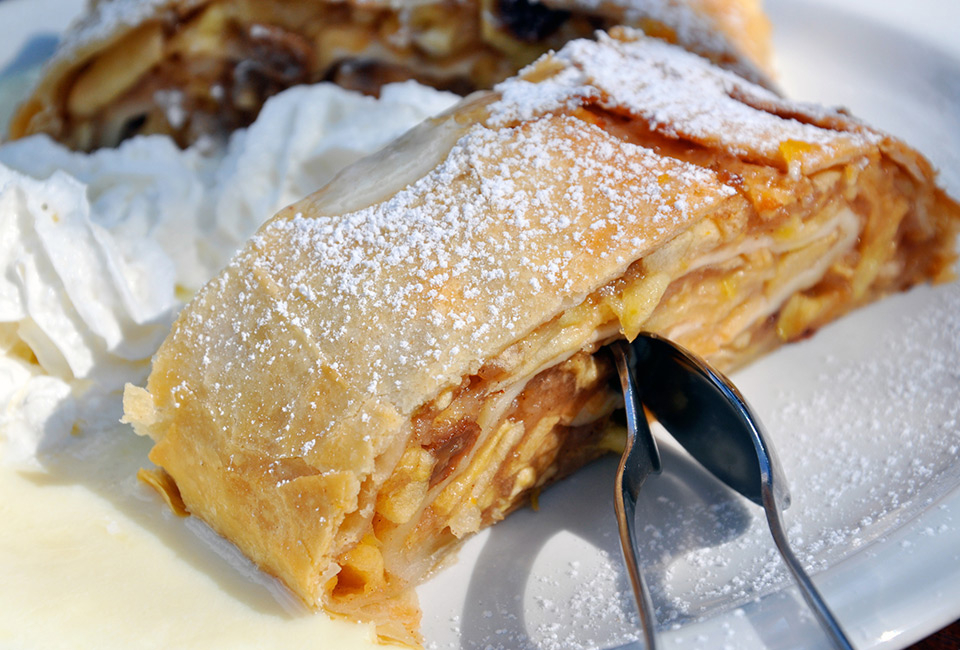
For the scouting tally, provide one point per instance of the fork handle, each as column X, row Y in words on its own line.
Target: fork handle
column 626, row 508
column 639, row 459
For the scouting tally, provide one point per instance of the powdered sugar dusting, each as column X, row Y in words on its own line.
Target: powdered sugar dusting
column 694, row 26
column 679, row 94
column 515, row 222
column 525, row 100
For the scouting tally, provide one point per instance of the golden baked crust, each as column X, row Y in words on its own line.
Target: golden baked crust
column 195, row 68
column 410, row 353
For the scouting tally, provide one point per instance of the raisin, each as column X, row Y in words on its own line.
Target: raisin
column 528, row 20
column 132, row 126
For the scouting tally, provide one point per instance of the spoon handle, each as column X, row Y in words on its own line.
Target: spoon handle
column 810, row 594
column 709, row 417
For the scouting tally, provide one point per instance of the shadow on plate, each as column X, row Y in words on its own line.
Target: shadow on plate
column 682, row 510
column 34, row 53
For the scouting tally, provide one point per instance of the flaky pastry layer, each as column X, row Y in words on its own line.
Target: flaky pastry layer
column 199, row 68
column 414, row 351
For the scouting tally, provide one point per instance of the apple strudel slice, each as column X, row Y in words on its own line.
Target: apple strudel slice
column 190, row 68
column 407, row 355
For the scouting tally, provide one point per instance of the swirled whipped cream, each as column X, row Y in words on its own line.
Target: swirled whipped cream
column 99, row 251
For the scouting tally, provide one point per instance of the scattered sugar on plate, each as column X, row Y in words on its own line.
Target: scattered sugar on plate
column 841, row 409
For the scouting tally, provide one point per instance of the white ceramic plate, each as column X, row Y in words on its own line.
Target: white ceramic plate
column 866, row 417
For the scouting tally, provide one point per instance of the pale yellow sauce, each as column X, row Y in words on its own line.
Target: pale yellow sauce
column 91, row 559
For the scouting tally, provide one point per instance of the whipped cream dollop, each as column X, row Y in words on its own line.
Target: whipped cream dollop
column 100, row 251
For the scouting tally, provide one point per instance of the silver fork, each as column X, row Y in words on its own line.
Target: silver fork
column 708, row 416
column 640, row 459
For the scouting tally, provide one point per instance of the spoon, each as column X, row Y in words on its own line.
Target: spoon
column 709, row 417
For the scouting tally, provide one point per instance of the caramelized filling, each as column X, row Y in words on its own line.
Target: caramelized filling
column 557, row 423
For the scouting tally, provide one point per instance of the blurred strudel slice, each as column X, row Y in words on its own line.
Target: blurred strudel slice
column 195, row 68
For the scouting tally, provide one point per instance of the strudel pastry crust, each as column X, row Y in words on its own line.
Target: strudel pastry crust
column 407, row 355
column 190, row 68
